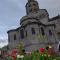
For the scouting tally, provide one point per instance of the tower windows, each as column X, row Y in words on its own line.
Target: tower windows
column 34, row 4
column 29, row 5
column 33, row 31
column 22, row 34
column 50, row 32
column 42, row 31
column 14, row 36
column 35, row 9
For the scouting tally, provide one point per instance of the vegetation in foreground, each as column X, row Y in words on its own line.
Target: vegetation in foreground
column 41, row 54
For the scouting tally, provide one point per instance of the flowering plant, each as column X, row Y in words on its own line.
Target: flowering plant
column 42, row 50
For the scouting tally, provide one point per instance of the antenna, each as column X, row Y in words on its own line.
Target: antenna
column 58, row 11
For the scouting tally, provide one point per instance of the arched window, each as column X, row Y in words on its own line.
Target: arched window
column 14, row 36
column 22, row 34
column 59, row 47
column 33, row 30
column 50, row 32
column 26, row 33
column 8, row 38
column 42, row 31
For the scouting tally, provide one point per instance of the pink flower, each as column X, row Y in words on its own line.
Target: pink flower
column 13, row 54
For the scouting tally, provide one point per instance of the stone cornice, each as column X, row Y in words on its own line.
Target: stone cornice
column 54, row 18
column 31, row 23
column 14, row 30
column 39, row 23
column 45, row 43
column 28, row 18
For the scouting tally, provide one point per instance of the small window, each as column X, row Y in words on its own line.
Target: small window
column 14, row 36
column 42, row 31
column 35, row 10
column 50, row 32
column 26, row 33
column 33, row 30
column 34, row 4
column 59, row 48
column 29, row 5
column 22, row 34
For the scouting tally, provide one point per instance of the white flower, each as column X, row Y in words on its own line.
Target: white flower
column 20, row 56
column 48, row 55
column 42, row 55
column 50, row 46
column 45, row 55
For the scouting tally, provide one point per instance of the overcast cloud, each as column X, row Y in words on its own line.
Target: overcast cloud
column 12, row 10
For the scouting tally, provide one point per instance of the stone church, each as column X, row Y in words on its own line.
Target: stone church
column 36, row 29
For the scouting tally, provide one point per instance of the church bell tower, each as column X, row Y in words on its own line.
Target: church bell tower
column 32, row 6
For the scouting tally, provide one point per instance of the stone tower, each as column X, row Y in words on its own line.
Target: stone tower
column 36, row 27
column 32, row 6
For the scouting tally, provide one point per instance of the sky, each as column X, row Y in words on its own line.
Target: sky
column 11, row 12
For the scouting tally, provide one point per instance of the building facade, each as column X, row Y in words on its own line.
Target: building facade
column 36, row 29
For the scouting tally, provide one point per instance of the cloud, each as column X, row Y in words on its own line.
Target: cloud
column 3, row 44
column 52, row 6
